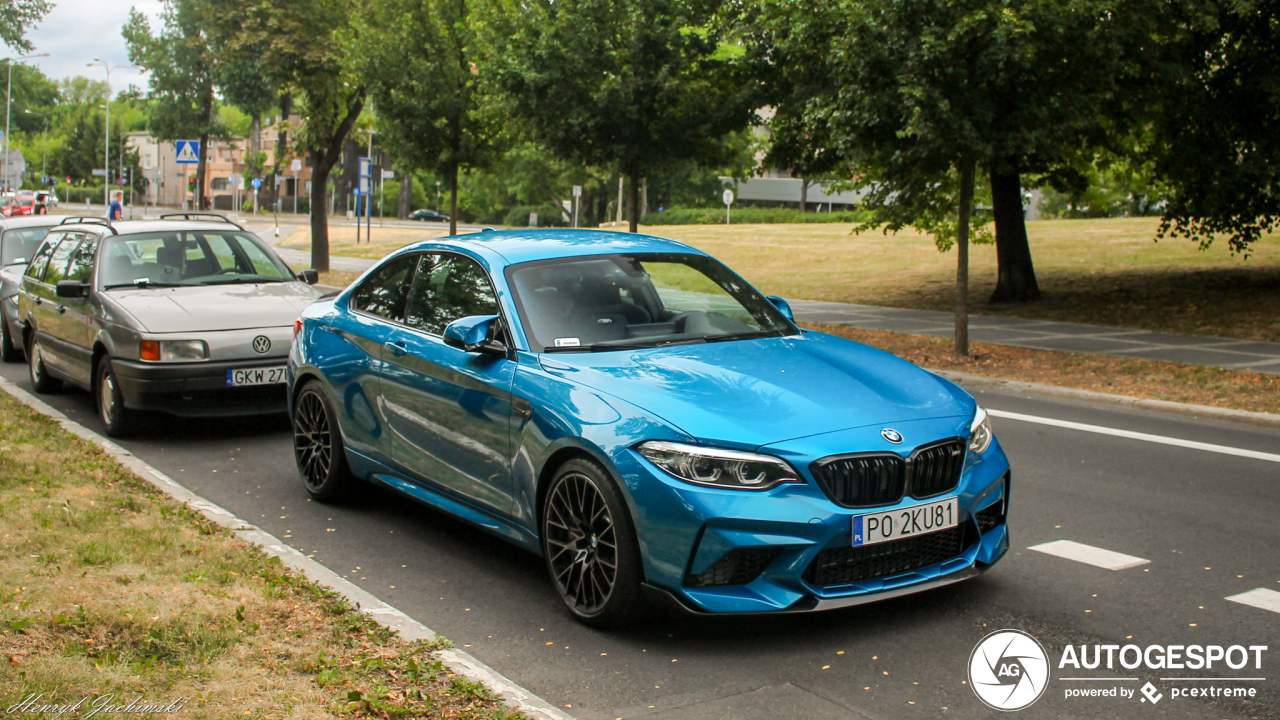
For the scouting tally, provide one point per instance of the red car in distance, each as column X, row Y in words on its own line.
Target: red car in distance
column 16, row 206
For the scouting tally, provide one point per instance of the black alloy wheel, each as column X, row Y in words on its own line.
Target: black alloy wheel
column 41, row 381
column 590, row 545
column 317, row 445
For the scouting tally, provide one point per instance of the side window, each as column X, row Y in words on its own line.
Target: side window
column 383, row 293
column 58, row 261
column 35, row 270
column 81, row 267
column 448, row 287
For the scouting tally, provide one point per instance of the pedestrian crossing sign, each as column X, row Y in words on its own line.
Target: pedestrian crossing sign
column 188, row 152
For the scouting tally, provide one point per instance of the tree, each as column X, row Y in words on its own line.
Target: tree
column 1211, row 101
column 245, row 86
column 626, row 84
column 182, row 78
column 920, row 96
column 19, row 16
column 416, row 57
column 303, row 49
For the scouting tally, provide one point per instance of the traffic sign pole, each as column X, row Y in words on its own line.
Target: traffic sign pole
column 727, row 197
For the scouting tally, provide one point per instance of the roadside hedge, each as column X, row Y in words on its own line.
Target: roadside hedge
column 749, row 215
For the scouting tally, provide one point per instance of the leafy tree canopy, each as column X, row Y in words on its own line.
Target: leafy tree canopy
column 19, row 16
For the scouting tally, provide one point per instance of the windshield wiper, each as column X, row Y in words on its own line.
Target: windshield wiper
column 754, row 335
column 140, row 284
column 236, row 280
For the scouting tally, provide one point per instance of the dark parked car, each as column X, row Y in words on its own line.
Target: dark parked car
column 19, row 239
column 190, row 315
column 428, row 216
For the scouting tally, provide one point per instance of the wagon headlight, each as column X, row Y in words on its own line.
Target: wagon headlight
column 718, row 468
column 173, row 350
column 980, row 435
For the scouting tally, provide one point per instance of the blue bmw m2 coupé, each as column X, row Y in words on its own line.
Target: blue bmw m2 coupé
column 644, row 419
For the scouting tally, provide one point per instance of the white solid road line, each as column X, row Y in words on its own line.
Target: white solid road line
column 1259, row 598
column 1145, row 437
column 1089, row 555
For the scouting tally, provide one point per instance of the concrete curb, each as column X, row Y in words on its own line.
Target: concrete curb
column 1256, row 418
column 455, row 660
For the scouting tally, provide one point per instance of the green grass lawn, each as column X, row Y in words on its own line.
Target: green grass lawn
column 1106, row 272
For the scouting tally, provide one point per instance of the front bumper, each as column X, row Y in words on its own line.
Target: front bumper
column 198, row 389
column 789, row 549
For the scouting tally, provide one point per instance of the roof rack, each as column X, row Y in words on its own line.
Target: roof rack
column 200, row 216
column 88, row 220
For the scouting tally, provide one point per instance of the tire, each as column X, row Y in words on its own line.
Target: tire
column 589, row 542
column 41, row 381
column 8, row 351
column 118, row 420
column 317, row 446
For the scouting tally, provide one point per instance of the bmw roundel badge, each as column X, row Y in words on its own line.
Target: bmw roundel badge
column 891, row 435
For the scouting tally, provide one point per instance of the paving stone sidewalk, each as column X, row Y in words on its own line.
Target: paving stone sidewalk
column 1262, row 357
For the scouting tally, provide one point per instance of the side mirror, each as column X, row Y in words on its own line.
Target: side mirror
column 782, row 307
column 72, row 289
column 309, row 276
column 476, row 333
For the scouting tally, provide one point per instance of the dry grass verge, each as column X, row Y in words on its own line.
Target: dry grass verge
column 341, row 235
column 108, row 588
column 1195, row 384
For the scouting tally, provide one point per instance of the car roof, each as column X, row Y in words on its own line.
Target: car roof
column 24, row 221
column 521, row 246
column 134, row 227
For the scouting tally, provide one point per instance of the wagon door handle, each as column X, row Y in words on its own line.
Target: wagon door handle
column 62, row 310
column 397, row 348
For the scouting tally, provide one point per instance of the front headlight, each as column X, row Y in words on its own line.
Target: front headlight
column 718, row 468
column 173, row 350
column 980, row 435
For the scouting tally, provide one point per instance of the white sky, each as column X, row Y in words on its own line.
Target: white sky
column 77, row 31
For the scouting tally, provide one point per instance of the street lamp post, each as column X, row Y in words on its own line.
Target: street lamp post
column 106, row 142
column 44, row 162
column 8, row 105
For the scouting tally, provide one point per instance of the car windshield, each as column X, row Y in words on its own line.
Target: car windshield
column 615, row 302
column 193, row 257
column 21, row 243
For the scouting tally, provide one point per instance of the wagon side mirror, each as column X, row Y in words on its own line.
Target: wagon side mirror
column 71, row 289
column 309, row 276
column 476, row 333
column 782, row 307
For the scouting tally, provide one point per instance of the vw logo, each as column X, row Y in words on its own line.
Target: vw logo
column 1008, row 670
column 891, row 435
column 261, row 344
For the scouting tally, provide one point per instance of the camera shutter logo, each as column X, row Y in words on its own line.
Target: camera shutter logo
column 1008, row 670
column 261, row 344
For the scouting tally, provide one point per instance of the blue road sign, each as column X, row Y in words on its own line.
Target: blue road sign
column 188, row 152
column 257, row 183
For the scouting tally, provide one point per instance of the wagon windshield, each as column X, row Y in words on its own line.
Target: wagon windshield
column 618, row 302
column 196, row 257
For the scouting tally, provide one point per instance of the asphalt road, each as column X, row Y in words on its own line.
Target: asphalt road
column 1208, row 523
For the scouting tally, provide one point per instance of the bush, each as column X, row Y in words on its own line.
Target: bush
column 80, row 194
column 548, row 216
column 750, row 215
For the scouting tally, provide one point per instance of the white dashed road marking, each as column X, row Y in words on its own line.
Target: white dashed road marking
column 1145, row 437
column 1260, row 598
column 1089, row 555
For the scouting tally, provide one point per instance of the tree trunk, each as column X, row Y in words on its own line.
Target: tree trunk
column 406, row 196
column 453, row 199
column 1016, row 279
column 282, row 142
column 202, row 170
column 962, row 257
column 633, row 200
column 644, row 198
column 255, row 144
column 619, row 208
column 804, row 194
column 322, row 162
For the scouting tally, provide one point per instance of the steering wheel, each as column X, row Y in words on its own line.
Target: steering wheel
column 226, row 271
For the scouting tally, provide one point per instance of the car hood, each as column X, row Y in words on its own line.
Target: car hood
column 751, row 393
column 215, row 307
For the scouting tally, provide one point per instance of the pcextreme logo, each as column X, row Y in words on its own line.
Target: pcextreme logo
column 1008, row 670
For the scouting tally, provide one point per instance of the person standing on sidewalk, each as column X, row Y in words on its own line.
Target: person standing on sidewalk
column 116, row 210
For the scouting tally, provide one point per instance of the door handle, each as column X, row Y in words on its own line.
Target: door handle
column 39, row 301
column 397, row 348
column 62, row 310
column 522, row 409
